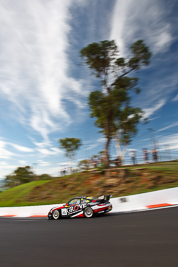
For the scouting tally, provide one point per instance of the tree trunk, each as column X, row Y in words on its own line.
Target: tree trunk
column 119, row 151
column 108, row 136
column 107, row 152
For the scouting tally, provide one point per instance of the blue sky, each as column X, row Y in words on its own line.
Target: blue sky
column 44, row 87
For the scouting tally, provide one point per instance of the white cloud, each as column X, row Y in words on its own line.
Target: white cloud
column 143, row 140
column 46, row 149
column 8, row 168
column 171, row 141
column 46, row 143
column 148, row 20
column 175, row 98
column 34, row 70
column 102, row 140
column 154, row 118
column 150, row 111
column 22, row 148
column 48, row 152
column 23, row 162
column 169, row 126
column 65, row 164
column 90, row 147
column 43, row 163
column 3, row 163
column 135, row 19
column 4, row 153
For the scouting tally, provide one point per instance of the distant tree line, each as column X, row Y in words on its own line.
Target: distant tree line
column 23, row 175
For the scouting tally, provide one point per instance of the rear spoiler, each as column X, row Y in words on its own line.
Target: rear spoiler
column 105, row 198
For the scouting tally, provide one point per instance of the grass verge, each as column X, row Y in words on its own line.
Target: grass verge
column 138, row 179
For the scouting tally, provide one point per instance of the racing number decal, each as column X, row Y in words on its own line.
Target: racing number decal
column 73, row 209
column 64, row 211
column 76, row 208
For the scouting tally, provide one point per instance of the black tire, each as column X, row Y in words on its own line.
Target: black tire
column 88, row 212
column 55, row 214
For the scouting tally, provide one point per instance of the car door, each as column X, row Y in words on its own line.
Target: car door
column 74, row 206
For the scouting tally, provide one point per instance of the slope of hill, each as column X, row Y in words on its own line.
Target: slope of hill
column 131, row 180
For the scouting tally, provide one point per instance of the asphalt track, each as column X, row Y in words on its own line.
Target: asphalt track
column 133, row 239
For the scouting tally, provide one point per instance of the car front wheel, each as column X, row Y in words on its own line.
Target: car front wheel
column 88, row 212
column 55, row 215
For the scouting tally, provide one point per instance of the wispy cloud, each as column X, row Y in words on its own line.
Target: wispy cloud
column 34, row 62
column 175, row 98
column 22, row 148
column 90, row 147
column 43, row 163
column 23, row 162
column 168, row 127
column 150, row 111
column 170, row 140
column 150, row 21
column 130, row 14
column 4, row 152
column 48, row 152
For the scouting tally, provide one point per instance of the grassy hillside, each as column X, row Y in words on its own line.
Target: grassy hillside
column 136, row 179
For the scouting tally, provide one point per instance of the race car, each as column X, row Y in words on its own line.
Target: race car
column 81, row 207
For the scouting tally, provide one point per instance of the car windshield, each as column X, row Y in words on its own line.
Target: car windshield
column 74, row 201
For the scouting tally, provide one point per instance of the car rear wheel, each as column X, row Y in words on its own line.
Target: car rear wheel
column 88, row 212
column 55, row 215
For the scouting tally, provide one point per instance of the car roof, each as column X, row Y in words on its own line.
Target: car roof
column 84, row 197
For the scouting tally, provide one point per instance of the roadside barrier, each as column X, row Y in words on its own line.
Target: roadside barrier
column 146, row 201
column 133, row 203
